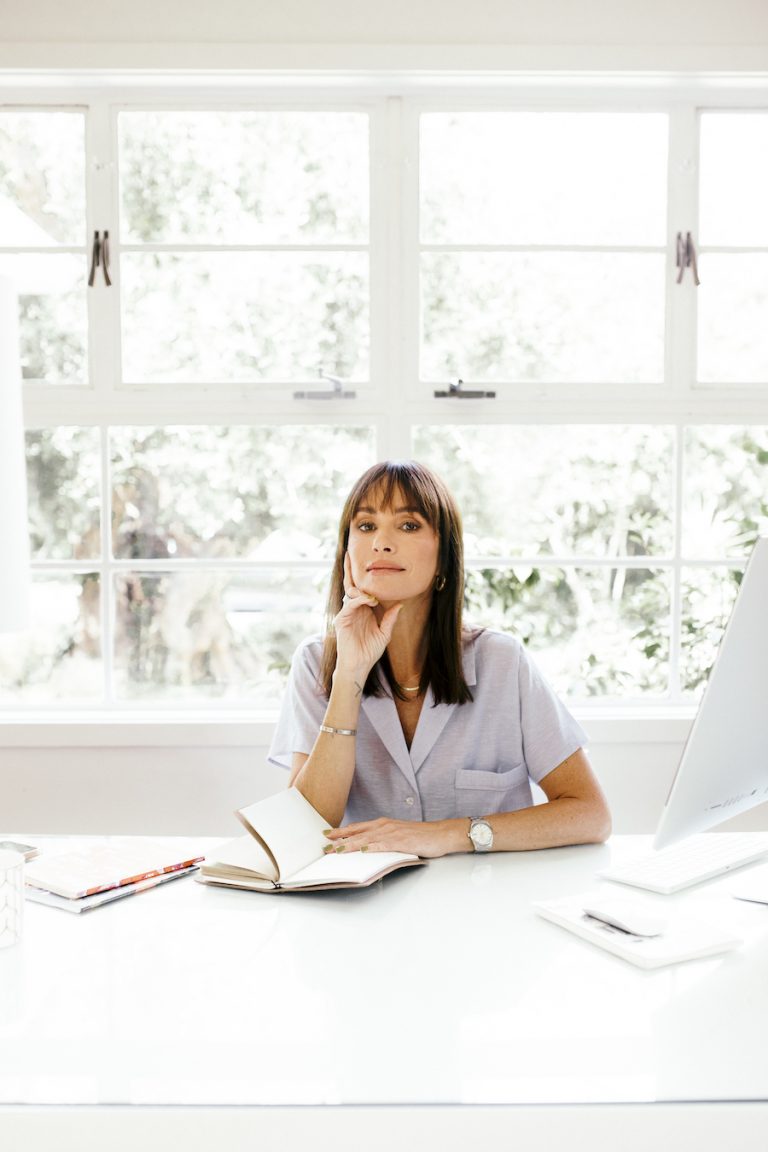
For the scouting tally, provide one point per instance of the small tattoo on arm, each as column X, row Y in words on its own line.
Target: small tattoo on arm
column 359, row 688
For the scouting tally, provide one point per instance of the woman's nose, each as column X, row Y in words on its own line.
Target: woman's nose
column 382, row 542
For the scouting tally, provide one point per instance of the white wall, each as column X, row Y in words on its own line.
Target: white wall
column 361, row 34
column 190, row 786
column 132, row 790
column 655, row 22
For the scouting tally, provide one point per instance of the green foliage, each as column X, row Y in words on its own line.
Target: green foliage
column 64, row 493
column 596, row 632
column 52, row 337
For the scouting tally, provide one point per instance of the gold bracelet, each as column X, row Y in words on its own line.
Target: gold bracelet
column 338, row 731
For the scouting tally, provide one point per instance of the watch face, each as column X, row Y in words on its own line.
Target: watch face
column 482, row 835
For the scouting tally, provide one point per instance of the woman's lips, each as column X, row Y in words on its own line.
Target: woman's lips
column 384, row 569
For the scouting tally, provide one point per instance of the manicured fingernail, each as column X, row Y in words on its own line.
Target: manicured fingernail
column 327, row 831
column 364, row 848
column 340, row 847
column 328, row 848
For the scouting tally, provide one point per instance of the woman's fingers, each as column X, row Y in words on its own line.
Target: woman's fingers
column 348, row 582
column 352, row 837
column 433, row 838
column 388, row 620
column 353, row 603
column 351, row 590
column 354, row 597
column 360, row 637
column 352, row 829
column 333, row 849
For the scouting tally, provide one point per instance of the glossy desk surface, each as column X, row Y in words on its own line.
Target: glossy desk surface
column 437, row 986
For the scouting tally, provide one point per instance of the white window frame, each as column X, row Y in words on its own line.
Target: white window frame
column 394, row 399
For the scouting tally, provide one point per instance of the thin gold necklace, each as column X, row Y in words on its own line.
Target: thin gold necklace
column 402, row 687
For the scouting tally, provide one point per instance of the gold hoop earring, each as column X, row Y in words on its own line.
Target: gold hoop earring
column 440, row 583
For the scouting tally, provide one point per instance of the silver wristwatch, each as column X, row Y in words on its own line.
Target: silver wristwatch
column 481, row 834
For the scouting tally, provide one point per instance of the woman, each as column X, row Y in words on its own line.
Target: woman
column 406, row 731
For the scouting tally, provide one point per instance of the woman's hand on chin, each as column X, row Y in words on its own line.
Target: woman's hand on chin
column 361, row 637
column 428, row 839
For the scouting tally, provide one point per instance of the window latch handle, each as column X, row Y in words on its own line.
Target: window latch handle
column 686, row 258
column 100, row 258
column 338, row 392
column 457, row 391
column 105, row 260
column 95, row 259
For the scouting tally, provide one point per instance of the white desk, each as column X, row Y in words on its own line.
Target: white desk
column 429, row 1008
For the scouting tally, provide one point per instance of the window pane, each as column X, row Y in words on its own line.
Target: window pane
column 591, row 490
column 733, row 318
column 725, row 490
column 63, row 493
column 708, row 595
column 572, row 317
column 58, row 659
column 543, row 178
column 593, row 632
column 42, row 179
column 244, row 316
column 244, row 177
column 204, row 634
column 733, row 166
column 52, row 315
column 248, row 492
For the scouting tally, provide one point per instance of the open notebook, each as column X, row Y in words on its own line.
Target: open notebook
column 283, row 852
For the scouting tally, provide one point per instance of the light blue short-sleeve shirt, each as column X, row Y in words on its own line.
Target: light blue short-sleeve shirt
column 469, row 759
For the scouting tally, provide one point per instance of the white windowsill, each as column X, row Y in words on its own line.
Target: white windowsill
column 241, row 729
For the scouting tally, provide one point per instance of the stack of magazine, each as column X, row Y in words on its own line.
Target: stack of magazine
column 94, row 874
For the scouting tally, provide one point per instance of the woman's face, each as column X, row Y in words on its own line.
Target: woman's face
column 393, row 551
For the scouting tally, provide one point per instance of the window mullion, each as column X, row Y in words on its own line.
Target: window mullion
column 107, row 573
column 682, row 216
column 103, row 340
column 388, row 309
column 103, row 301
column 411, row 256
column 680, row 345
column 676, row 606
column 383, row 314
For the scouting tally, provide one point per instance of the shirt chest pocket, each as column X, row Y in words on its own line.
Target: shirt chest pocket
column 481, row 793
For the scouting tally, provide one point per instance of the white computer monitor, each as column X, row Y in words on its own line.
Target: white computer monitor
column 723, row 769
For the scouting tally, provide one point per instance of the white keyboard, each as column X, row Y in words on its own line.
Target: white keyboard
column 691, row 861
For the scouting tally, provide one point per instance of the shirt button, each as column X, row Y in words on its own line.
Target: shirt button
column 409, row 799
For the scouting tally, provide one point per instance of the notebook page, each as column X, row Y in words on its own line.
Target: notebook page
column 347, row 868
column 290, row 828
column 243, row 852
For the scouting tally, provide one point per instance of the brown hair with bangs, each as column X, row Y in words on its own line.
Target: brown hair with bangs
column 443, row 668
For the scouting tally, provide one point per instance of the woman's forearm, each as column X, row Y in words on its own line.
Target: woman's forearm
column 552, row 825
column 566, row 820
column 576, row 812
column 326, row 776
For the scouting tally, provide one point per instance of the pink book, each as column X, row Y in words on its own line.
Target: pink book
column 98, row 867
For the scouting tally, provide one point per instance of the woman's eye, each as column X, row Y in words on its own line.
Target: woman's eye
column 411, row 526
column 365, row 526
